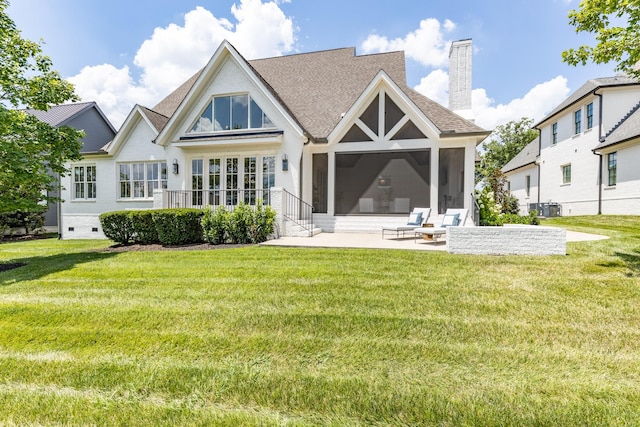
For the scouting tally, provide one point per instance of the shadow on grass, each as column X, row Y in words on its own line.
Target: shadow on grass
column 631, row 261
column 33, row 268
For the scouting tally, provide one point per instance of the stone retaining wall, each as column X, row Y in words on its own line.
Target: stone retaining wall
column 507, row 240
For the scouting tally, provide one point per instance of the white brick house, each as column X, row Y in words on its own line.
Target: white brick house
column 338, row 133
column 586, row 156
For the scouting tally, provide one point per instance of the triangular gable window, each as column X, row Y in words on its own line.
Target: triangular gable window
column 355, row 134
column 227, row 113
column 394, row 119
column 409, row 131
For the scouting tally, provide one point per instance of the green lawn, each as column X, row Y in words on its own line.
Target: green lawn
column 283, row 336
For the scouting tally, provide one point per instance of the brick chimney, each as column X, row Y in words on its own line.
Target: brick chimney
column 460, row 55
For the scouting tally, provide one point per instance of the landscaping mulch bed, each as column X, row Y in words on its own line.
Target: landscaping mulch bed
column 156, row 247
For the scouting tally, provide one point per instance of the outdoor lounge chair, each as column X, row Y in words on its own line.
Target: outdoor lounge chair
column 417, row 217
column 452, row 217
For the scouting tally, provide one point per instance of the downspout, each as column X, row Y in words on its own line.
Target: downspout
column 600, row 139
column 538, row 164
column 59, row 203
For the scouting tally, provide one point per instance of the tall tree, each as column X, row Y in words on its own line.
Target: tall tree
column 506, row 142
column 616, row 25
column 30, row 149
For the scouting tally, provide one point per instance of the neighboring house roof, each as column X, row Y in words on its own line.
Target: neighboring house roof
column 627, row 130
column 588, row 88
column 316, row 88
column 526, row 157
column 81, row 115
column 58, row 115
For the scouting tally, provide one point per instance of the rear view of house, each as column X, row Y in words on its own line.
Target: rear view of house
column 331, row 133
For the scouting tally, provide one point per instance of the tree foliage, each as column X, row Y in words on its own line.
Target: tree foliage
column 506, row 142
column 616, row 26
column 30, row 150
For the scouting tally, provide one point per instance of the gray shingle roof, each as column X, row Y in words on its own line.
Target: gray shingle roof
column 317, row 87
column 526, row 157
column 59, row 114
column 627, row 130
column 157, row 120
column 586, row 89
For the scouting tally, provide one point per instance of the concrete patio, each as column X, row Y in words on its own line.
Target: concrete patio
column 375, row 241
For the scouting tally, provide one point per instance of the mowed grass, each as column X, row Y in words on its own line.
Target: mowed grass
column 285, row 336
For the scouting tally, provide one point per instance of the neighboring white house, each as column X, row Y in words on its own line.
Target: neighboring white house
column 340, row 133
column 522, row 174
column 588, row 152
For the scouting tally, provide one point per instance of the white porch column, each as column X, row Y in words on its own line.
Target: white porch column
column 331, row 183
column 160, row 199
column 469, row 174
column 435, row 179
column 277, row 203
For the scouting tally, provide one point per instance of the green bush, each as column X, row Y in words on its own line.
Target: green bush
column 179, row 226
column 240, row 222
column 263, row 221
column 511, row 205
column 30, row 222
column 144, row 228
column 117, row 226
column 215, row 223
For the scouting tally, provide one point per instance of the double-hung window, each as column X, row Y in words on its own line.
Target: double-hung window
column 577, row 122
column 554, row 133
column 84, row 182
column 138, row 180
column 566, row 174
column 612, row 166
column 590, row 116
column 527, row 187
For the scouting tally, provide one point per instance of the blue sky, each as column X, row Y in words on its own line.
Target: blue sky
column 120, row 53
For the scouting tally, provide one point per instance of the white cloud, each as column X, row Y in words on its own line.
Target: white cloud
column 426, row 45
column 435, row 86
column 174, row 53
column 536, row 103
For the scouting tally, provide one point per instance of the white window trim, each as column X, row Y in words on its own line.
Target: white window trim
column 146, row 180
column 85, row 183
column 223, row 169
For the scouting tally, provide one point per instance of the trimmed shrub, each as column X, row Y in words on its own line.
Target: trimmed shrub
column 117, row 226
column 240, row 222
column 215, row 223
column 263, row 221
column 178, row 226
column 144, row 228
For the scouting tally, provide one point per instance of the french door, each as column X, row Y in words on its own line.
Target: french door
column 228, row 181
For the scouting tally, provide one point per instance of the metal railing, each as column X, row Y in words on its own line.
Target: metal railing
column 475, row 210
column 297, row 211
column 214, row 198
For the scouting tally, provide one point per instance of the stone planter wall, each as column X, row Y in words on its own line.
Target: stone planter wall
column 507, row 240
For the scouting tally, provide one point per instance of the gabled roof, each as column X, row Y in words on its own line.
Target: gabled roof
column 59, row 115
column 316, row 88
column 588, row 88
column 156, row 119
column 627, row 130
column 527, row 156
